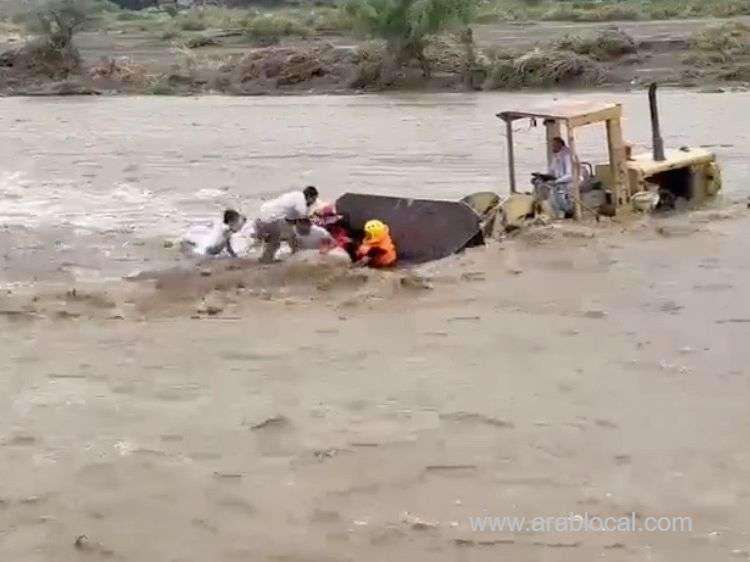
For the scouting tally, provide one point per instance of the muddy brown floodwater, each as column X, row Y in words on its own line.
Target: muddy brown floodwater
column 598, row 370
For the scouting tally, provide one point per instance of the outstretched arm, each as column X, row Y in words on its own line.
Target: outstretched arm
column 371, row 254
column 230, row 250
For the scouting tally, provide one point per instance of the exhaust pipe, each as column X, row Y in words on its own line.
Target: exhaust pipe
column 658, row 142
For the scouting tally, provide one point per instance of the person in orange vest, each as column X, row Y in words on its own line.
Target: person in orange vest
column 377, row 249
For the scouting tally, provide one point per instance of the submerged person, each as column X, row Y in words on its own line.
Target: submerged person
column 377, row 249
column 277, row 218
column 212, row 241
column 556, row 186
column 311, row 237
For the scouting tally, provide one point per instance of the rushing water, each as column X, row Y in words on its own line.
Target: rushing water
column 98, row 173
column 600, row 375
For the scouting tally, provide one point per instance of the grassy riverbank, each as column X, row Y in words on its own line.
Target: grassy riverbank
column 323, row 49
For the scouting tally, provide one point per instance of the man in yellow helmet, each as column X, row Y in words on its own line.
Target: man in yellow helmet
column 377, row 248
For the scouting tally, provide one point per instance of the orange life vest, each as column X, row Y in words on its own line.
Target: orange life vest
column 386, row 254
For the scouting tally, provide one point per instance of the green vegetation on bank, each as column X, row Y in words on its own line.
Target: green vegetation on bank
column 405, row 24
column 541, row 67
column 261, row 25
column 492, row 11
column 716, row 45
column 375, row 17
column 606, row 44
column 394, row 39
column 256, row 23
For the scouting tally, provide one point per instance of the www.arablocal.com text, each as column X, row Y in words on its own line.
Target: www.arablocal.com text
column 581, row 523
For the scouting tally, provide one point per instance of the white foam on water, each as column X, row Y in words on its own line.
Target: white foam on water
column 206, row 193
column 132, row 194
column 63, row 202
column 125, row 448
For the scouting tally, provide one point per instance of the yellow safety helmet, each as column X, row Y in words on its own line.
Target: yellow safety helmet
column 375, row 229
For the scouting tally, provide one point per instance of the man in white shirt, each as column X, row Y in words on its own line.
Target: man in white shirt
column 212, row 241
column 561, row 168
column 555, row 187
column 278, row 216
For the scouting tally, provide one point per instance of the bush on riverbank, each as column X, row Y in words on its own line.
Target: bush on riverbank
column 570, row 61
column 269, row 29
column 717, row 45
column 41, row 58
column 52, row 53
column 730, row 38
column 598, row 13
column 120, row 70
column 405, row 26
column 607, row 44
column 160, row 86
column 541, row 68
column 370, row 59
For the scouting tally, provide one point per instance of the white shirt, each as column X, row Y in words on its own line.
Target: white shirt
column 561, row 166
column 313, row 241
column 208, row 241
column 291, row 205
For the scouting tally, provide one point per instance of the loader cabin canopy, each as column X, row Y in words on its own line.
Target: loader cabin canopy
column 573, row 115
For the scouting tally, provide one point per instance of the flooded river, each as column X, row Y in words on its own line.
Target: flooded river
column 97, row 174
column 369, row 415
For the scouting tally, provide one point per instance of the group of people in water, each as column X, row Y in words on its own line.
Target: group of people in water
column 302, row 221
